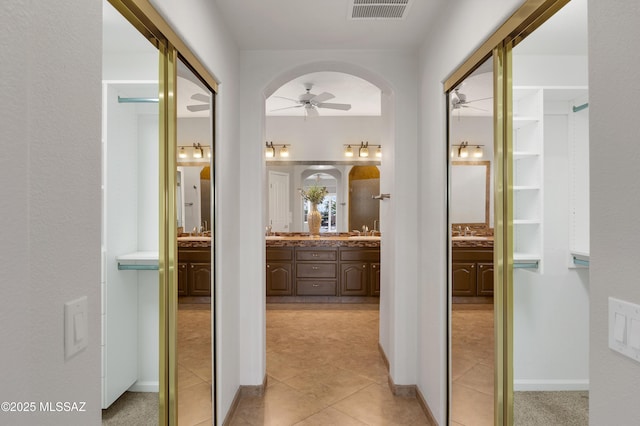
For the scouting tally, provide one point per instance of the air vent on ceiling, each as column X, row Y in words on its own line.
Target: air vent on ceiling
column 378, row 9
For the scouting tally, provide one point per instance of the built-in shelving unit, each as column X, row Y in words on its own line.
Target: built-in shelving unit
column 528, row 117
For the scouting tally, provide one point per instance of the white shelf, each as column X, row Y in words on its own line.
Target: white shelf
column 526, row 222
column 519, row 155
column 138, row 261
column 526, row 188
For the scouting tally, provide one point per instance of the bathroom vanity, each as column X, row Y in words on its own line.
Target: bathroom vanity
column 336, row 268
column 194, row 267
column 472, row 270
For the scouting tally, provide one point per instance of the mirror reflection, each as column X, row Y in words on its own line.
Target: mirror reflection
column 348, row 205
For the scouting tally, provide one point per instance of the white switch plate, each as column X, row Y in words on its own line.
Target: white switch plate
column 624, row 332
column 75, row 326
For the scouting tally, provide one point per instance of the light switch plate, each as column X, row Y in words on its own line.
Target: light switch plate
column 75, row 326
column 624, row 328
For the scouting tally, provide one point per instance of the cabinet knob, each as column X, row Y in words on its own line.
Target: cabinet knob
column 314, row 254
column 314, row 268
column 268, row 266
column 373, row 266
column 364, row 265
column 316, row 285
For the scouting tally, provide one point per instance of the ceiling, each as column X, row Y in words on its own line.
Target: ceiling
column 323, row 24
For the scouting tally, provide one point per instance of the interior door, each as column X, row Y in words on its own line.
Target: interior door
column 279, row 201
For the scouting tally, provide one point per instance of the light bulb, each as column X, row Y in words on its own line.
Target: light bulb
column 364, row 150
column 269, row 151
column 182, row 153
column 348, row 152
column 478, row 152
column 284, row 151
column 379, row 151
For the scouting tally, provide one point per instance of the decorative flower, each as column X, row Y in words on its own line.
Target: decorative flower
column 314, row 194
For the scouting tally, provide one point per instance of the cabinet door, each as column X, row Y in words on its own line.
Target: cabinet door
column 199, row 279
column 279, row 279
column 374, row 282
column 463, row 276
column 354, row 279
column 182, row 278
column 485, row 279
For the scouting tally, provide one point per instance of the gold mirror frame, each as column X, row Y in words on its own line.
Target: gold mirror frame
column 498, row 46
column 143, row 16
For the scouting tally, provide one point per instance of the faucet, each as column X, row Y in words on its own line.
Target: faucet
column 268, row 229
column 204, row 226
column 365, row 229
column 459, row 230
column 467, row 231
column 375, row 225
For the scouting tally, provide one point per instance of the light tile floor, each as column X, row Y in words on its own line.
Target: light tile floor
column 194, row 365
column 324, row 368
column 472, row 370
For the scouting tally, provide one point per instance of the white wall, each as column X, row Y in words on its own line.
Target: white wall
column 262, row 72
column 613, row 129
column 443, row 51
column 202, row 27
column 50, row 243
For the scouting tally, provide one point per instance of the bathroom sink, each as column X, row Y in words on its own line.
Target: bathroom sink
column 274, row 237
column 470, row 238
column 364, row 238
column 194, row 238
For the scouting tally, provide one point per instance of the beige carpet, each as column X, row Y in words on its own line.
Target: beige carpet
column 551, row 408
column 132, row 408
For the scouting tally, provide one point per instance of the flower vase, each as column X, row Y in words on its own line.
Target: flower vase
column 314, row 218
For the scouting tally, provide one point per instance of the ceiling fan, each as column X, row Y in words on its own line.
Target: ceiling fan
column 459, row 100
column 311, row 102
column 200, row 97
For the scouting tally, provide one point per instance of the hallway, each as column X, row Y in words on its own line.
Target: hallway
column 324, row 367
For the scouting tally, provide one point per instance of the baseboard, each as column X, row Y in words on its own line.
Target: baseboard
column 244, row 391
column 425, row 407
column 232, row 408
column 254, row 390
column 384, row 357
column 408, row 391
column 149, row 386
column 405, row 391
column 550, row 385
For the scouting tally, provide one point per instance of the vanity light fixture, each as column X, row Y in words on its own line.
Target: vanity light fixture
column 462, row 150
column 198, row 152
column 379, row 151
column 270, row 150
column 182, row 153
column 348, row 151
column 364, row 149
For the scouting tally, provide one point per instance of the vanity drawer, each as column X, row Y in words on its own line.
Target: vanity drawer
column 316, row 287
column 316, row 270
column 279, row 253
column 350, row 255
column 316, row 254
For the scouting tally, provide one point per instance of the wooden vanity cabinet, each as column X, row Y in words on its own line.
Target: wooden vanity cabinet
column 472, row 272
column 359, row 272
column 194, row 272
column 323, row 271
column 316, row 271
column 279, row 272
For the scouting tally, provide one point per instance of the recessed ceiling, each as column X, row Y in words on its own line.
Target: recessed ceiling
column 364, row 97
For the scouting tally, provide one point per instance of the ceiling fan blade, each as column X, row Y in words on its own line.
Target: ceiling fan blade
column 324, row 96
column 200, row 97
column 311, row 112
column 195, row 108
column 343, row 107
column 289, row 99
column 278, row 109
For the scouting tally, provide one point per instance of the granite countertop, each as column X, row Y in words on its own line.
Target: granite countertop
column 472, row 242
column 324, row 240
